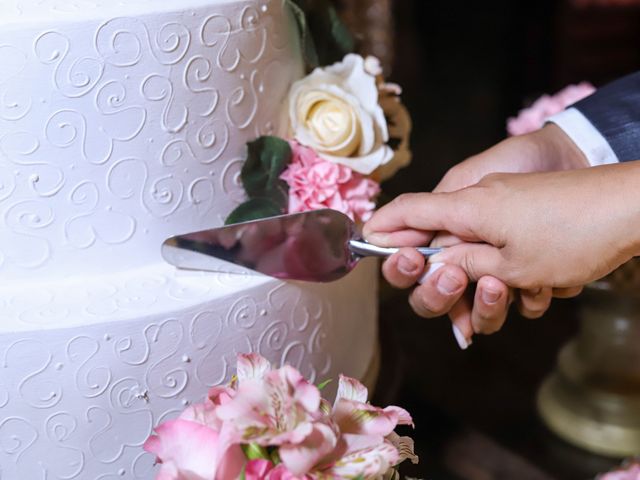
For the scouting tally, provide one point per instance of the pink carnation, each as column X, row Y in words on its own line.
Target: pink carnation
column 532, row 118
column 316, row 183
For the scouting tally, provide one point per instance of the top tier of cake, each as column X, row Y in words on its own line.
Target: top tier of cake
column 125, row 122
column 21, row 11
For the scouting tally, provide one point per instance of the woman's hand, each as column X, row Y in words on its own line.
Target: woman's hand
column 530, row 231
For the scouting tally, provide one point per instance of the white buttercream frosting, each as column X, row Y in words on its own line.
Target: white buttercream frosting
column 118, row 132
column 25, row 11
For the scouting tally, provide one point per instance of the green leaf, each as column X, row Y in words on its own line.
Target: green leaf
column 323, row 385
column 253, row 451
column 267, row 158
column 344, row 41
column 254, row 209
column 275, row 457
column 332, row 40
column 306, row 39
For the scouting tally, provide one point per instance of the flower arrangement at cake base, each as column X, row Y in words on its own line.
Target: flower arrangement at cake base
column 272, row 424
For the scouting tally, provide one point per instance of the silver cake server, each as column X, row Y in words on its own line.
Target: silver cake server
column 317, row 246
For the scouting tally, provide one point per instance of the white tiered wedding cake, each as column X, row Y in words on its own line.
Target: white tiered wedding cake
column 122, row 123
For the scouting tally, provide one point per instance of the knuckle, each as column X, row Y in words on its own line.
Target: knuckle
column 516, row 275
column 455, row 178
column 403, row 199
column 494, row 180
column 469, row 265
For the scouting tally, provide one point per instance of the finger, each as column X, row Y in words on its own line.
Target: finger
column 476, row 259
column 445, row 239
column 412, row 218
column 534, row 303
column 460, row 316
column 567, row 292
column 490, row 306
column 403, row 269
column 405, row 238
column 438, row 291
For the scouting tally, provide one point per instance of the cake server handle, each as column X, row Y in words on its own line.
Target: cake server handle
column 365, row 249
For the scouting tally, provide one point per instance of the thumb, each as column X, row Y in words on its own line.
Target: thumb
column 476, row 259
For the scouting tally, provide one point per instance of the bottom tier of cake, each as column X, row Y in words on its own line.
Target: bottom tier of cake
column 88, row 367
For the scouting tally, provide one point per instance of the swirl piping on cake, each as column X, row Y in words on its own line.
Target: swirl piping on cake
column 36, row 388
column 72, row 78
column 199, row 70
column 167, row 382
column 156, row 88
column 90, row 381
column 60, row 427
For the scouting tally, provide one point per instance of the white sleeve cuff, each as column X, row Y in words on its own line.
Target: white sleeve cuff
column 588, row 139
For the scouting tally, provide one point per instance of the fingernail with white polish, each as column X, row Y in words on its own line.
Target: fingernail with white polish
column 463, row 343
column 430, row 270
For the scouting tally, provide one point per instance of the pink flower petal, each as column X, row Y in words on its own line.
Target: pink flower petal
column 281, row 473
column 252, row 366
column 369, row 463
column 302, row 457
column 257, row 469
column 351, row 443
column 404, row 417
column 351, row 389
column 220, row 395
column 185, row 449
column 364, row 419
column 202, row 413
column 532, row 118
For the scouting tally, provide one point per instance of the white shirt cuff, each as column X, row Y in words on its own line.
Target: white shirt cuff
column 588, row 139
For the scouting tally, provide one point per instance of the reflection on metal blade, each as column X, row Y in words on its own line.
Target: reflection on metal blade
column 311, row 246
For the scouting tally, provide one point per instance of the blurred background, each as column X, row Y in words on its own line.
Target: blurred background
column 465, row 67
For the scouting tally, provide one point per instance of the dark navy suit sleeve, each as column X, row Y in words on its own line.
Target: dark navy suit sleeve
column 615, row 112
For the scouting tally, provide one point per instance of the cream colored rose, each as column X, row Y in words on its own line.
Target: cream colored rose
column 335, row 110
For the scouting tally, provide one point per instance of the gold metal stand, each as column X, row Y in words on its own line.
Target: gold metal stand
column 592, row 400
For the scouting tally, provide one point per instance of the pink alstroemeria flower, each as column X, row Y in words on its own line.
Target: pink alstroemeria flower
column 269, row 409
column 277, row 408
column 368, row 446
column 188, row 450
column 354, row 416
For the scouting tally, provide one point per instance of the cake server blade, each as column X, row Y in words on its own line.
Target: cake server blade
column 316, row 246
